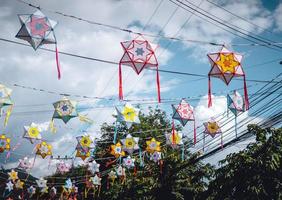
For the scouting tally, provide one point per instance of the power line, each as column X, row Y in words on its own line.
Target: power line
column 222, row 25
column 116, row 63
column 139, row 33
column 227, row 22
column 242, row 18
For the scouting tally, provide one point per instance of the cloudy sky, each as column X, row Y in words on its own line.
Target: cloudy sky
column 37, row 69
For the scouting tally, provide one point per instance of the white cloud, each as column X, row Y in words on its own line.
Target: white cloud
column 278, row 17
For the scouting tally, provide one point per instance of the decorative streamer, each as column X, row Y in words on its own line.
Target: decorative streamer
column 115, row 133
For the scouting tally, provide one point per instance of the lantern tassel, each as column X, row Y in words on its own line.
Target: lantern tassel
column 158, row 86
column 120, row 83
column 209, row 93
column 195, row 133
column 58, row 63
column 247, row 104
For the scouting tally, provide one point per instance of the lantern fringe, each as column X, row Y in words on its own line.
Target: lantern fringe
column 158, row 86
column 247, row 104
column 209, row 93
column 120, row 83
column 58, row 63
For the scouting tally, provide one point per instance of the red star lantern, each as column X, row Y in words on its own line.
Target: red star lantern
column 226, row 65
column 183, row 112
column 138, row 54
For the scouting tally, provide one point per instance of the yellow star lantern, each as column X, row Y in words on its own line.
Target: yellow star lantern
column 4, row 143
column 19, row 184
column 227, row 62
column 32, row 132
column 44, row 149
column 85, row 141
column 153, row 146
column 13, row 175
column 226, row 65
column 116, row 150
column 212, row 127
column 128, row 114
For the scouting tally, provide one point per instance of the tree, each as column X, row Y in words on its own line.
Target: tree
column 253, row 173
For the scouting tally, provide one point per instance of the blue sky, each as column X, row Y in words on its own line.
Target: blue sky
column 26, row 67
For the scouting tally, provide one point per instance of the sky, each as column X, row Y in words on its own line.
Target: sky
column 37, row 69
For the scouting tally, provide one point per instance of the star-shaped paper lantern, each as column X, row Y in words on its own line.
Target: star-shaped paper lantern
column 112, row 175
column 44, row 149
column 96, row 180
column 174, row 140
column 226, row 65
column 38, row 30
column 65, row 109
column 120, row 171
column 153, row 146
column 138, row 54
column 25, row 163
column 32, row 132
column 116, row 150
column 85, row 141
column 13, row 175
column 130, row 144
column 82, row 152
column 235, row 103
column 53, row 192
column 94, row 167
column 31, row 191
column 41, row 183
column 212, row 128
column 63, row 167
column 156, row 156
column 19, row 184
column 184, row 112
column 128, row 162
column 68, row 184
column 4, row 143
column 128, row 114
column 9, row 186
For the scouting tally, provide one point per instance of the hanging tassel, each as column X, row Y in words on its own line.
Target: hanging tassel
column 52, row 126
column 140, row 157
column 247, row 104
column 8, row 156
column 158, row 86
column 8, row 114
column 108, row 183
column 161, row 166
column 195, row 134
column 221, row 140
column 85, row 119
column 209, row 94
column 58, row 63
column 204, row 137
column 115, row 133
column 182, row 154
column 173, row 133
column 120, row 83
column 236, row 125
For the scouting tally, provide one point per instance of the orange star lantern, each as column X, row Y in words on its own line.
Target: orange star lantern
column 153, row 146
column 226, row 65
column 116, row 150
column 44, row 149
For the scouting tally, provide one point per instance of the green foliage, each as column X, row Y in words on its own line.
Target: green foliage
column 157, row 181
column 253, row 173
